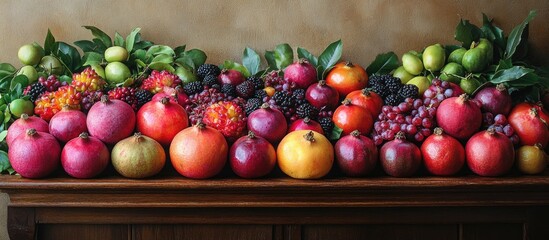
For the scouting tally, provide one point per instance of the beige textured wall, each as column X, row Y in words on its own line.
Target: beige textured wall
column 224, row 28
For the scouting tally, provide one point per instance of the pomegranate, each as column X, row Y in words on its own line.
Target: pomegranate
column 67, row 124
column 305, row 154
column 349, row 117
column 138, row 156
column 356, row 155
column 230, row 76
column 305, row 124
column 176, row 95
column 85, row 156
column 22, row 124
column 268, row 123
column 301, row 72
column 34, row 154
column 199, row 152
column 252, row 156
column 489, row 153
column 367, row 99
column 400, row 158
column 528, row 125
column 495, row 99
column 110, row 120
column 442, row 154
column 161, row 120
column 322, row 96
column 459, row 117
column 346, row 77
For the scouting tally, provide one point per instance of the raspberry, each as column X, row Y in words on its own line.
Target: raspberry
column 126, row 94
column 87, row 80
column 157, row 80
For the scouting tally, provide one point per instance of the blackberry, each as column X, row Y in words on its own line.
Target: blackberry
column 299, row 96
column 252, row 104
column 261, row 94
column 193, row 87
column 376, row 83
column 283, row 99
column 409, row 91
column 393, row 84
column 327, row 124
column 207, row 69
column 143, row 96
column 393, row 99
column 307, row 111
column 257, row 81
column 209, row 80
column 34, row 91
column 228, row 89
column 246, row 89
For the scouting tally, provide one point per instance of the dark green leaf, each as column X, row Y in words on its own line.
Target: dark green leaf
column 49, row 43
column 7, row 115
column 118, row 40
column 142, row 45
column 335, row 134
column 4, row 162
column 466, row 33
column 283, row 55
column 303, row 53
column 99, row 46
column 528, row 79
column 160, row 49
column 65, row 78
column 96, row 32
column 197, row 56
column 85, row 45
column 515, row 37
column 236, row 66
column 504, row 64
column 140, row 54
column 7, row 67
column 131, row 39
column 492, row 33
column 251, row 60
column 179, row 50
column 331, row 55
column 383, row 64
column 186, row 62
column 161, row 66
column 269, row 56
column 19, row 80
column 510, row 74
column 91, row 58
column 163, row 58
column 72, row 54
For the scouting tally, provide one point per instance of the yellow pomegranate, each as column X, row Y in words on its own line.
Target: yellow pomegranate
column 305, row 154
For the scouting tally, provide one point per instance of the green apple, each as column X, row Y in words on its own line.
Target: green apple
column 412, row 63
column 402, row 74
column 421, row 82
column 30, row 72
column 30, row 54
column 116, row 72
column 20, row 106
column 457, row 55
column 116, row 54
column 52, row 65
column 434, row 57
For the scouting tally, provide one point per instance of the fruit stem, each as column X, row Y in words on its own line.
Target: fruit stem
column 302, row 61
column 322, row 83
column 400, row 136
column 366, row 92
column 31, row 132
column 346, row 102
column 264, row 105
column 24, row 116
column 464, row 97
column 307, row 120
column 104, row 99
column 491, row 130
column 200, row 124
column 138, row 136
column 84, row 135
column 501, row 87
column 538, row 146
column 165, row 100
column 438, row 131
column 251, row 135
column 348, row 64
column 66, row 107
column 355, row 133
column 310, row 136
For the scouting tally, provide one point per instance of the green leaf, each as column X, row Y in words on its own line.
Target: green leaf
column 236, row 66
column 251, row 60
column 3, row 135
column 8, row 68
column 329, row 57
column 504, row 64
column 7, row 115
column 515, row 37
column 72, row 59
column 86, row 45
column 4, row 162
column 131, row 39
column 20, row 80
column 118, row 40
column 91, row 58
column 163, row 58
column 335, row 134
column 140, row 54
column 179, row 50
column 65, row 78
column 283, row 55
column 529, row 79
column 96, row 32
column 466, row 33
column 159, row 66
column 303, row 53
column 269, row 56
column 142, row 45
column 160, row 49
column 492, row 32
column 49, row 43
column 510, row 74
column 197, row 56
column 383, row 64
column 185, row 62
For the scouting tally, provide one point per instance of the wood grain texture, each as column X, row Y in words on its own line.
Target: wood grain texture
column 380, row 232
column 82, row 232
column 202, row 232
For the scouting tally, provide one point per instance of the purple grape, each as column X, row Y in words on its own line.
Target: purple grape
column 508, row 130
column 445, row 84
column 448, row 92
column 419, row 137
column 411, row 129
column 500, row 119
column 427, row 123
column 429, row 93
column 416, row 121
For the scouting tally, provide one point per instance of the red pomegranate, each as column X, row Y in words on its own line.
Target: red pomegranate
column 230, row 76
column 356, row 155
column 268, row 123
column 85, row 156
column 442, row 154
column 489, row 153
column 252, row 156
column 34, row 154
column 67, row 124
column 199, row 151
column 161, row 120
column 22, row 124
column 400, row 158
column 110, row 120
column 495, row 99
column 367, row 99
column 322, row 96
column 305, row 124
column 349, row 117
column 176, row 95
column 459, row 117
column 301, row 72
column 528, row 125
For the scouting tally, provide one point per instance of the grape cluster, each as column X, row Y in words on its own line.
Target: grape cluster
column 500, row 124
column 438, row 91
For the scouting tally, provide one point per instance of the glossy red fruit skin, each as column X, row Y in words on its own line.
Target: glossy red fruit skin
column 305, row 124
column 230, row 76
column 495, row 99
column 301, row 72
column 489, row 153
column 176, row 95
column 367, row 99
column 161, row 120
column 111, row 120
column 400, row 158
column 528, row 125
column 268, row 123
column 34, row 156
column 67, row 124
column 85, row 157
column 453, row 112
column 21, row 125
column 356, row 155
column 349, row 117
column 442, row 154
column 252, row 157
column 322, row 96
column 347, row 77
